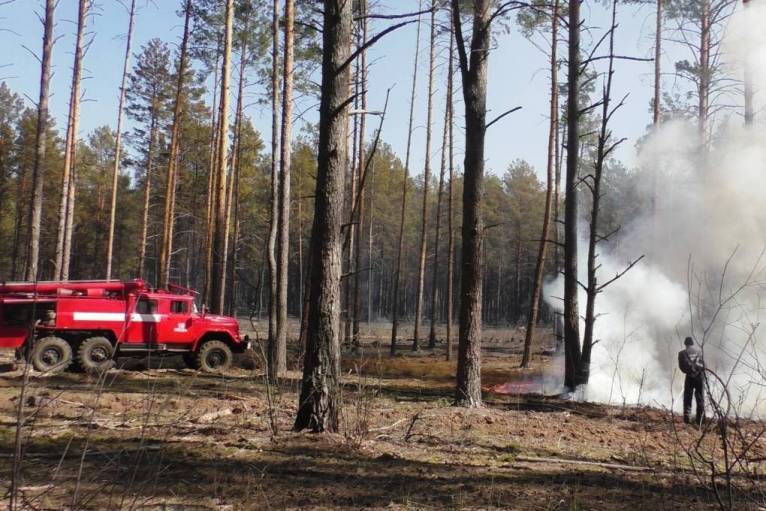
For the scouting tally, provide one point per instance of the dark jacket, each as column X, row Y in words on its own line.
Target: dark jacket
column 690, row 361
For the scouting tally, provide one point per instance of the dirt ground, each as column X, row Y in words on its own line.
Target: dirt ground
column 168, row 438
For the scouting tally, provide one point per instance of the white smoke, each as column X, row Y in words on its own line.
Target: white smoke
column 704, row 269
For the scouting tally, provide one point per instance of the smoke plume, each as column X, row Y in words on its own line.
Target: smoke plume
column 705, row 272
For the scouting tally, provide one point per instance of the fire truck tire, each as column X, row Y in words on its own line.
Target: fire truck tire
column 95, row 354
column 213, row 357
column 51, row 355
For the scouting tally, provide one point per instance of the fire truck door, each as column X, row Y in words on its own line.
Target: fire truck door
column 176, row 326
column 142, row 323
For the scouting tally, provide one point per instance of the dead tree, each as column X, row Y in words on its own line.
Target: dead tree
column 66, row 207
column 426, row 182
column 473, row 69
column 400, row 249
column 218, row 285
column 571, row 310
column 166, row 246
column 118, row 143
column 38, row 171
column 604, row 148
column 553, row 127
column 278, row 361
column 319, row 400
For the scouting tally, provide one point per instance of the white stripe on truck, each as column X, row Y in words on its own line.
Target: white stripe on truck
column 116, row 316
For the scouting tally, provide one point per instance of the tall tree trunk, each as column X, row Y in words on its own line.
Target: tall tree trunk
column 748, row 79
column 118, row 144
column 704, row 78
column 602, row 152
column 450, row 195
column 153, row 132
column 360, row 170
column 166, row 248
column 274, row 219
column 38, row 171
column 236, row 157
column 350, row 197
column 319, row 398
column 370, row 265
column 279, row 361
column 66, row 208
column 426, row 182
column 656, row 106
column 571, row 313
column 218, row 287
column 473, row 67
column 534, row 305
column 439, row 194
column 211, row 179
column 395, row 305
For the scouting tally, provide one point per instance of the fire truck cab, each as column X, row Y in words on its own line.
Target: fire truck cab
column 86, row 324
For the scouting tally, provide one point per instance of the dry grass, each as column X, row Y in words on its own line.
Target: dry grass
column 176, row 439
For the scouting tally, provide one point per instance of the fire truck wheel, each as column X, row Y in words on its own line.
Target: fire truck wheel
column 51, row 355
column 95, row 354
column 214, row 357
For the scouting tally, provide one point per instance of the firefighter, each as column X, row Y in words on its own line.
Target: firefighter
column 691, row 364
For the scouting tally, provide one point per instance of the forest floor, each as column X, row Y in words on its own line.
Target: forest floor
column 168, row 438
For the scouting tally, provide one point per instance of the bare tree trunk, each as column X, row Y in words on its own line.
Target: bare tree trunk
column 279, row 362
column 274, row 220
column 748, row 80
column 38, row 171
column 704, row 78
column 166, row 248
column 211, row 180
column 61, row 266
column 371, row 266
column 360, row 169
column 450, row 194
column 398, row 271
column 350, row 199
column 473, row 67
column 426, row 182
column 233, row 199
column 118, row 144
column 602, row 152
column 218, row 287
column 571, row 314
column 439, row 194
column 534, row 306
column 147, row 194
column 656, row 107
column 319, row 400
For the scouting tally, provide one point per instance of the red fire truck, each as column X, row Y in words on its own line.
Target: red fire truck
column 87, row 324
